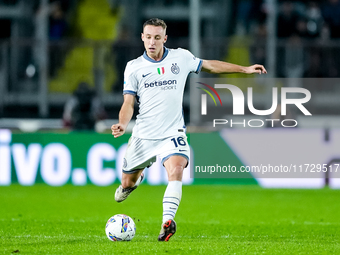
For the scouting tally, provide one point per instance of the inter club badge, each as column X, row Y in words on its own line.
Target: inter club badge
column 175, row 69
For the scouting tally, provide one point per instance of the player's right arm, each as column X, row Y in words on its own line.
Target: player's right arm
column 125, row 115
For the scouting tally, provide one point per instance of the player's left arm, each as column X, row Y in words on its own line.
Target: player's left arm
column 216, row 66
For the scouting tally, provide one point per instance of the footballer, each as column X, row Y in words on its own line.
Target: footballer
column 156, row 81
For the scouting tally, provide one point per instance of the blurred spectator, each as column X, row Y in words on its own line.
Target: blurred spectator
column 293, row 27
column 331, row 14
column 123, row 50
column 259, row 50
column 243, row 15
column 57, row 30
column 258, row 11
column 314, row 19
column 57, row 22
column 122, row 54
column 287, row 20
column 301, row 28
column 247, row 13
column 83, row 109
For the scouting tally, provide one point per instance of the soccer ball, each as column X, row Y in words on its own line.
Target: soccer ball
column 120, row 227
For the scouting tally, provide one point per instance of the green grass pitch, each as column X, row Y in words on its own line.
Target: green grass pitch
column 212, row 219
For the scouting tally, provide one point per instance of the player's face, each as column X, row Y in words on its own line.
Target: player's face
column 154, row 39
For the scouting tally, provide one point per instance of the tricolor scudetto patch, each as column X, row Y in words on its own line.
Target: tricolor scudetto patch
column 161, row 70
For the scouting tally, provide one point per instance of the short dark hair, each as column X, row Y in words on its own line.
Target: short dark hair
column 155, row 22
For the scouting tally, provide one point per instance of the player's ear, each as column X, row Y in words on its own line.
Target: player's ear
column 142, row 36
column 165, row 38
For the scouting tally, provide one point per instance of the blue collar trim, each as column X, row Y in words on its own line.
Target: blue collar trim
column 166, row 51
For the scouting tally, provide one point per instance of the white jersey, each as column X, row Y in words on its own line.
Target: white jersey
column 159, row 87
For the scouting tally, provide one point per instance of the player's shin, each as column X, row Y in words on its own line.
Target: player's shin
column 171, row 200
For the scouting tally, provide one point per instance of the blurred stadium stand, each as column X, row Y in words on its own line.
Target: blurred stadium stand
column 48, row 46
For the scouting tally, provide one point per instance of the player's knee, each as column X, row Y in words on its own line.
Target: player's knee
column 176, row 171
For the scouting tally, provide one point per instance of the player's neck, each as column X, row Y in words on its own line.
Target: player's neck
column 157, row 57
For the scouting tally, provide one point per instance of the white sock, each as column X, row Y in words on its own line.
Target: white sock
column 171, row 200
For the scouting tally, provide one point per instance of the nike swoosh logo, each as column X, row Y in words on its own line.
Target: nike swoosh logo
column 182, row 150
column 144, row 75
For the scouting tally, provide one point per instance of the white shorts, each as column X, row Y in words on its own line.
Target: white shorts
column 141, row 153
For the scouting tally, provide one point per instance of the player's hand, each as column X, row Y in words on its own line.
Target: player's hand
column 256, row 69
column 118, row 130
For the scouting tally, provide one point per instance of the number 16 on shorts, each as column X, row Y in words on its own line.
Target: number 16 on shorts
column 179, row 141
column 175, row 145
